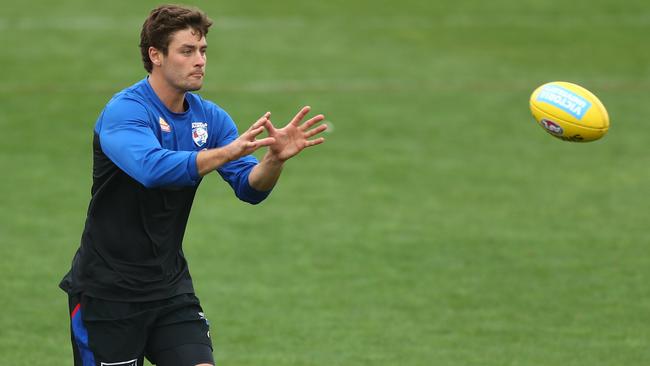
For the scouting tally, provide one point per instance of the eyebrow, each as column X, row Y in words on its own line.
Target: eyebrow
column 192, row 46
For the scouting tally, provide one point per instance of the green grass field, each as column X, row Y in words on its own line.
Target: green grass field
column 438, row 225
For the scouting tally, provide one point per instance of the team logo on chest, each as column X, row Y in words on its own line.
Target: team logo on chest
column 199, row 133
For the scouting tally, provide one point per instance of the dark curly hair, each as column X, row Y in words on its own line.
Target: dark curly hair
column 163, row 21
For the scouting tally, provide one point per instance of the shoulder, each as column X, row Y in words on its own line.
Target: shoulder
column 133, row 97
column 126, row 105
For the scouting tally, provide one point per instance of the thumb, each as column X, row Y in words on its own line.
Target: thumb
column 268, row 125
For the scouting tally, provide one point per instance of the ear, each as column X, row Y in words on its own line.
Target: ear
column 155, row 55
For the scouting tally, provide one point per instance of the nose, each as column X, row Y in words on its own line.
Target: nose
column 200, row 59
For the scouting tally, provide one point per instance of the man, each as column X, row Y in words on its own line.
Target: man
column 129, row 288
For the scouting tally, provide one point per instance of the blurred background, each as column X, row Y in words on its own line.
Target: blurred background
column 438, row 224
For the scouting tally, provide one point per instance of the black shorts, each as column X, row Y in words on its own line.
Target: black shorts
column 167, row 332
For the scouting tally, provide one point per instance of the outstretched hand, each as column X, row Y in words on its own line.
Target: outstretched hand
column 247, row 143
column 295, row 136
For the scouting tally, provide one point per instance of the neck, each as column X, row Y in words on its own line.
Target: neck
column 171, row 97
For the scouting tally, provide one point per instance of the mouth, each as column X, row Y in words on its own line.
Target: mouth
column 197, row 74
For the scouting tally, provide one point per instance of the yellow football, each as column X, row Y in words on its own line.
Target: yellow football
column 569, row 112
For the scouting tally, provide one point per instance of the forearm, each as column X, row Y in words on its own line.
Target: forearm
column 265, row 175
column 209, row 160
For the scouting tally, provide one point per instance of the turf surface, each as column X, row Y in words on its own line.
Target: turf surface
column 438, row 225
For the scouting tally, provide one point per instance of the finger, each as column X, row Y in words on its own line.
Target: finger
column 252, row 133
column 264, row 142
column 303, row 112
column 255, row 125
column 315, row 131
column 261, row 121
column 312, row 121
column 266, row 116
column 269, row 127
column 315, row 142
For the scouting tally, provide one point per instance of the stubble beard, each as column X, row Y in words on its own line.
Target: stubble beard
column 194, row 88
column 189, row 86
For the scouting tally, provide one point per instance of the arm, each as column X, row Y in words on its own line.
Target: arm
column 265, row 174
column 127, row 138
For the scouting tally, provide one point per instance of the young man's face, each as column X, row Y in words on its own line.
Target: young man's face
column 184, row 65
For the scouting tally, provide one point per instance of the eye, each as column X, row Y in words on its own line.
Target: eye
column 186, row 52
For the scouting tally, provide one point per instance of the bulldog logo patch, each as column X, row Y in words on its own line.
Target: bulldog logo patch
column 200, row 133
